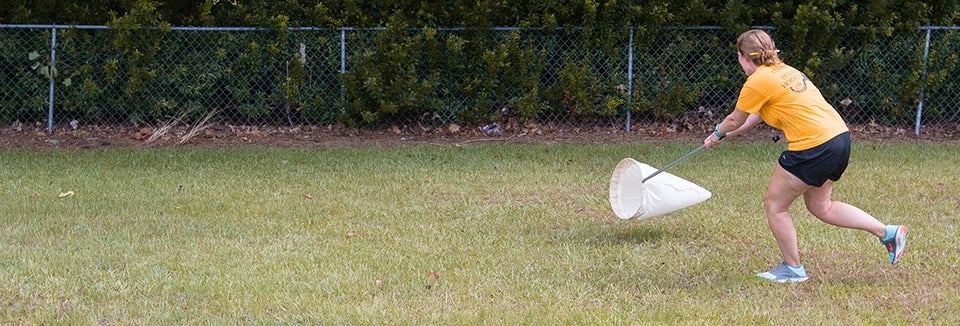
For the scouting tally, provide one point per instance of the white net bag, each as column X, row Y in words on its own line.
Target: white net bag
column 632, row 198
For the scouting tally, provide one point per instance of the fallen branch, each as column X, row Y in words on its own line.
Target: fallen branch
column 201, row 125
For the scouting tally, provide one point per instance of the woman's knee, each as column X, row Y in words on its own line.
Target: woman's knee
column 818, row 208
column 773, row 205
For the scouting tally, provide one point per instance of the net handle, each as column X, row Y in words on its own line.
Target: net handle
column 665, row 167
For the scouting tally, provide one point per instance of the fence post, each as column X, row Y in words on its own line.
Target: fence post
column 50, row 72
column 343, row 67
column 923, row 78
column 630, row 80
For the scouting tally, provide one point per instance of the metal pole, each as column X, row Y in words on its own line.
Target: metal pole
column 665, row 167
column 50, row 75
column 343, row 68
column 923, row 78
column 343, row 50
column 630, row 81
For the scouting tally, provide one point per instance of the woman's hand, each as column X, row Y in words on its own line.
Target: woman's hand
column 712, row 141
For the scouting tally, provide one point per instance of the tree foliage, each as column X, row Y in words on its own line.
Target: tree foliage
column 412, row 71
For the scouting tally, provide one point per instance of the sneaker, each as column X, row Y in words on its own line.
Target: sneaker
column 785, row 273
column 895, row 241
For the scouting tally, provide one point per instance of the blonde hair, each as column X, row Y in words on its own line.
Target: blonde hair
column 757, row 46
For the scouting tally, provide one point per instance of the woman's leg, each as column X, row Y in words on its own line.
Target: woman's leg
column 782, row 190
column 818, row 202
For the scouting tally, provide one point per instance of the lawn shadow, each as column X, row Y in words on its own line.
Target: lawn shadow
column 605, row 234
column 636, row 235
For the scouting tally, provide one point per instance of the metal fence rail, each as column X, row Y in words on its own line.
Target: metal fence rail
column 54, row 74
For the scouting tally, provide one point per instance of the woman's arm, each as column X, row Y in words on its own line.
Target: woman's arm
column 735, row 121
column 751, row 122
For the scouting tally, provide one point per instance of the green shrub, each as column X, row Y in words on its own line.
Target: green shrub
column 567, row 60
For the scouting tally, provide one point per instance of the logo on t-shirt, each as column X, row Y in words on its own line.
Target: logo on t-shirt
column 794, row 80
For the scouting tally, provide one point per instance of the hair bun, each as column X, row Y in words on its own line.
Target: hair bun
column 769, row 56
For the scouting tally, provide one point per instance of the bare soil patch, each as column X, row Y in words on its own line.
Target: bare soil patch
column 225, row 136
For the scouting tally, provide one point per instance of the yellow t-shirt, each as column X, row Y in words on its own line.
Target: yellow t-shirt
column 787, row 100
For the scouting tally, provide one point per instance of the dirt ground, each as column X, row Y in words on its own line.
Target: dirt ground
column 222, row 135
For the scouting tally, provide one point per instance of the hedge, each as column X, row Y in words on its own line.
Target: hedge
column 564, row 60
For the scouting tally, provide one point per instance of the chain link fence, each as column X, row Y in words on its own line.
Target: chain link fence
column 53, row 75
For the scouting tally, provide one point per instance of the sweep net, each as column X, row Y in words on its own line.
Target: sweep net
column 631, row 198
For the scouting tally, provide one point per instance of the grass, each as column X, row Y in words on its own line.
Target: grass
column 499, row 234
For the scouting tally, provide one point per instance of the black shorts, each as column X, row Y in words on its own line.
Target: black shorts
column 826, row 161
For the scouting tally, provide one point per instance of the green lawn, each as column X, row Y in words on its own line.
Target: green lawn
column 498, row 234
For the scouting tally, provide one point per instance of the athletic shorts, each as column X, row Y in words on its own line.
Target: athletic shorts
column 826, row 161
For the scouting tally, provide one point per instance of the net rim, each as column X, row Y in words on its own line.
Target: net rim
column 617, row 181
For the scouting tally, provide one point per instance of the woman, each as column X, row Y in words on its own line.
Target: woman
column 817, row 154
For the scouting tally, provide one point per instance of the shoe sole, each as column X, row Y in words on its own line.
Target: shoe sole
column 786, row 280
column 901, row 242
